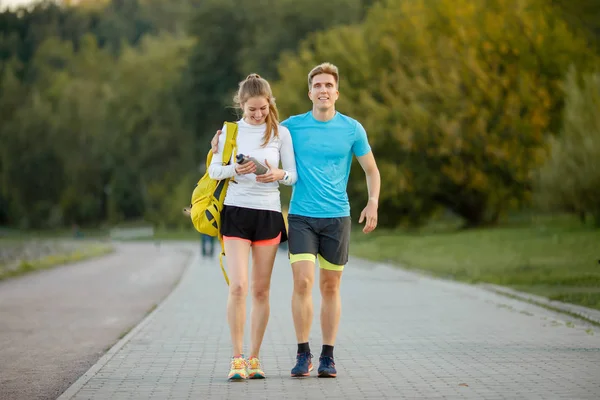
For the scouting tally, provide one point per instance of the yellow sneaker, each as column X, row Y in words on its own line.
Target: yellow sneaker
column 238, row 369
column 254, row 369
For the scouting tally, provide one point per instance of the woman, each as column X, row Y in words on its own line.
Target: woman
column 251, row 216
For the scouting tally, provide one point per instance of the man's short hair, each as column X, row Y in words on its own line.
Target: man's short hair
column 324, row 68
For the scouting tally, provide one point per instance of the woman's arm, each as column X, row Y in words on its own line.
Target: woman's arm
column 288, row 159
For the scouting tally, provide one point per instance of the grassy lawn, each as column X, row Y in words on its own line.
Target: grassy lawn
column 555, row 257
column 19, row 257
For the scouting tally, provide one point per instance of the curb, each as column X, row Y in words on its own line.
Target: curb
column 572, row 309
column 587, row 314
column 83, row 379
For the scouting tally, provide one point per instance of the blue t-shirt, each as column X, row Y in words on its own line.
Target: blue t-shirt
column 324, row 153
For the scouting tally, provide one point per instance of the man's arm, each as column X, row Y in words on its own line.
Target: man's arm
column 369, row 213
column 216, row 169
column 214, row 143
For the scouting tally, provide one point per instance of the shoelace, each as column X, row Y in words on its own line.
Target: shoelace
column 254, row 363
column 303, row 357
column 238, row 363
column 328, row 361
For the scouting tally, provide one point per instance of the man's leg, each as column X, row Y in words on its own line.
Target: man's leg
column 302, row 303
column 203, row 244
column 211, row 246
column 303, row 244
column 330, row 277
column 333, row 255
column 302, row 313
column 331, row 304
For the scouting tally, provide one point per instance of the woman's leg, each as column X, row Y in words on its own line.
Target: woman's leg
column 263, row 257
column 237, row 269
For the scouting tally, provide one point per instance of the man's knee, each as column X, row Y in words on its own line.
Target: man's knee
column 303, row 270
column 330, row 282
column 303, row 285
column 330, row 288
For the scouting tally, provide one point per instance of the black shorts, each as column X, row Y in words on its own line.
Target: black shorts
column 326, row 237
column 252, row 225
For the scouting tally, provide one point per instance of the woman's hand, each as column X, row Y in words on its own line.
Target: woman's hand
column 272, row 175
column 246, row 168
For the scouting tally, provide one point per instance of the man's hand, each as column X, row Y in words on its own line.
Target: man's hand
column 369, row 213
column 214, row 143
column 367, row 162
column 272, row 175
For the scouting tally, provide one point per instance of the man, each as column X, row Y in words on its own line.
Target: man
column 319, row 222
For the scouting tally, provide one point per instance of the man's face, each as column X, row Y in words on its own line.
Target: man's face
column 323, row 92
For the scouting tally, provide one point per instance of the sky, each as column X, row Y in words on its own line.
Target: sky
column 14, row 3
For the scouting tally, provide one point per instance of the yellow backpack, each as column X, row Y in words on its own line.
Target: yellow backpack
column 209, row 194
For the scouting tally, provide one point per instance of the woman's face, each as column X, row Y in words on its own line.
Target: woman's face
column 256, row 110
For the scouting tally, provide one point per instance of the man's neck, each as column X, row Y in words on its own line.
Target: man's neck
column 323, row 116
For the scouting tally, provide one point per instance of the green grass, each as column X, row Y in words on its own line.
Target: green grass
column 83, row 252
column 21, row 235
column 553, row 257
column 187, row 234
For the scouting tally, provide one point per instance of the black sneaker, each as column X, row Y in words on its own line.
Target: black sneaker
column 303, row 365
column 327, row 367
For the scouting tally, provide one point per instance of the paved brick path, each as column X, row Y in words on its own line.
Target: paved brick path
column 402, row 336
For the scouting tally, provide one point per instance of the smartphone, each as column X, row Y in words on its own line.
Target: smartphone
column 261, row 168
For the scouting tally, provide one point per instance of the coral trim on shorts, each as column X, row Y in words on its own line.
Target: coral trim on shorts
column 266, row 242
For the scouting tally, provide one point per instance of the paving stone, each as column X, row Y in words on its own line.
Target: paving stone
column 402, row 336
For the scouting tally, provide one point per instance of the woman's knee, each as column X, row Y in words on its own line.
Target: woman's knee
column 260, row 293
column 238, row 289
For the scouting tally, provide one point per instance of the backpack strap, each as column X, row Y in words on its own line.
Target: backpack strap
column 221, row 258
column 229, row 153
column 230, row 147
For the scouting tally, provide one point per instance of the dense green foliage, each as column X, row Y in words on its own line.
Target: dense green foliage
column 107, row 107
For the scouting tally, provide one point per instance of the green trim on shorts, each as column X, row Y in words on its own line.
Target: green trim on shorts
column 329, row 237
column 324, row 264
column 302, row 257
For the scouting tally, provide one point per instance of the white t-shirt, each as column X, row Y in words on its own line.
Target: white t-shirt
column 247, row 192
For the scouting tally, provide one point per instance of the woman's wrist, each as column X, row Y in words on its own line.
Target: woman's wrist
column 285, row 178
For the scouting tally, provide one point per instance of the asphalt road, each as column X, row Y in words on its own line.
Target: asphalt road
column 55, row 324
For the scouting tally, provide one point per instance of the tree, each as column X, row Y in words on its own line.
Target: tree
column 211, row 76
column 570, row 179
column 149, row 145
column 457, row 99
column 234, row 39
column 12, row 96
column 91, row 114
column 582, row 15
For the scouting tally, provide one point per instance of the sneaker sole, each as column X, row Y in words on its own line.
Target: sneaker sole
column 304, row 374
column 237, row 377
column 326, row 374
column 256, row 376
